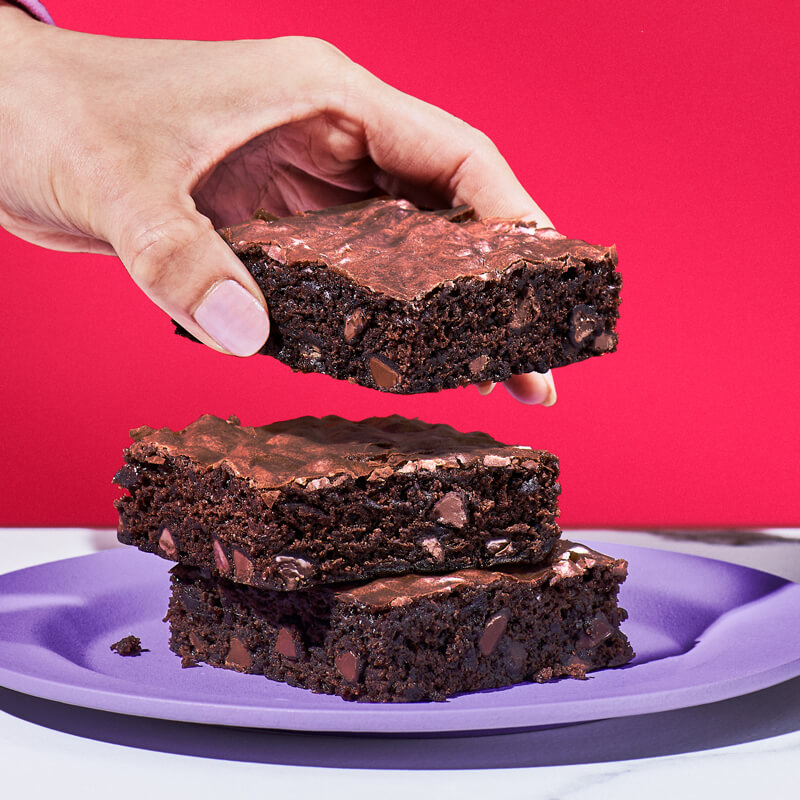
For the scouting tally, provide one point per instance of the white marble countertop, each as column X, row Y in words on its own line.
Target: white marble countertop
column 746, row 747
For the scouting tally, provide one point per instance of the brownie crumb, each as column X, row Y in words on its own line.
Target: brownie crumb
column 129, row 646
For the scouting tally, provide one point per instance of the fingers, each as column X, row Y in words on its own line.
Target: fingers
column 532, row 388
column 433, row 149
column 176, row 257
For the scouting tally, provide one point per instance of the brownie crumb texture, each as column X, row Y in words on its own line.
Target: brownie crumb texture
column 129, row 646
column 401, row 300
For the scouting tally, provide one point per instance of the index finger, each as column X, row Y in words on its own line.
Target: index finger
column 425, row 146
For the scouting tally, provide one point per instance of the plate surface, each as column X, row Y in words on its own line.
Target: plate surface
column 703, row 631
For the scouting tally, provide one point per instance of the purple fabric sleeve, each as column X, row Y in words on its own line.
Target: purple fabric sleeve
column 35, row 9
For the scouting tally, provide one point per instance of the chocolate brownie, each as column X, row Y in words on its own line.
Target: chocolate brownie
column 311, row 501
column 412, row 637
column 128, row 646
column 402, row 300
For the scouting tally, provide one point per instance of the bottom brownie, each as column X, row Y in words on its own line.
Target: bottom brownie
column 411, row 637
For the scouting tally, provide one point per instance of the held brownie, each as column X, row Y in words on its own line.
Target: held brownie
column 402, row 300
column 312, row 501
column 412, row 637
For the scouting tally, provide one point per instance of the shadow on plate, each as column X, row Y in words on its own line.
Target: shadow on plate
column 755, row 716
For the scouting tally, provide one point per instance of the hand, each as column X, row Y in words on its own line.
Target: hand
column 141, row 148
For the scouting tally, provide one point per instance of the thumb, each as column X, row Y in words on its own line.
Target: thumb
column 181, row 263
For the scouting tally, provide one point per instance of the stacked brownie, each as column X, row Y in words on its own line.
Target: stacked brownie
column 387, row 559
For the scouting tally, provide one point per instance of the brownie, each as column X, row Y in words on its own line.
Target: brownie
column 313, row 501
column 402, row 300
column 412, row 637
column 128, row 646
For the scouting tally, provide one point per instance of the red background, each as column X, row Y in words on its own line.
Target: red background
column 669, row 129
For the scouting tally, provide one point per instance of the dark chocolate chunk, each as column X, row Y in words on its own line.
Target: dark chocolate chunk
column 494, row 629
column 167, row 543
column 347, row 664
column 478, row 364
column 220, row 559
column 434, row 547
column 450, row 510
column 293, row 570
column 385, row 374
column 526, row 312
column 354, row 325
column 238, row 655
column 243, row 567
column 285, row 644
column 583, row 323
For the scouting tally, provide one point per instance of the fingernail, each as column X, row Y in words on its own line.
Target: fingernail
column 233, row 318
column 551, row 398
column 485, row 388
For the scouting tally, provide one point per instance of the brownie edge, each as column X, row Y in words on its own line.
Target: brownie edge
column 413, row 637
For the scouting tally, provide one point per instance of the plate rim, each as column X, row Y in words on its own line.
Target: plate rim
column 373, row 717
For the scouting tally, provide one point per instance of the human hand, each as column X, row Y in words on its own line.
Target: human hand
column 141, row 148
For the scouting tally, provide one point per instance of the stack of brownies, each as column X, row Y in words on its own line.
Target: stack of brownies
column 388, row 559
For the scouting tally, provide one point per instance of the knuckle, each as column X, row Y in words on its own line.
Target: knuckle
column 154, row 249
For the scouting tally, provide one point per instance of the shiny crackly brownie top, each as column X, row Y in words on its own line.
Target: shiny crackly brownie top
column 315, row 452
column 394, row 249
column 566, row 560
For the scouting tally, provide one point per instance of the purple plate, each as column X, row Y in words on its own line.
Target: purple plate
column 703, row 631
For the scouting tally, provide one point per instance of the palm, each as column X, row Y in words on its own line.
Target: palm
column 297, row 167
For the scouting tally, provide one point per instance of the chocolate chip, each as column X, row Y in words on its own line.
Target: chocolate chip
column 450, row 510
column 499, row 547
column 238, row 655
column 126, row 477
column 347, row 664
column 384, row 373
column 293, row 570
column 478, row 365
column 434, row 547
column 598, row 630
column 526, row 312
column 221, row 560
column 354, row 325
column 167, row 543
column 583, row 323
column 605, row 342
column 285, row 644
column 269, row 498
column 243, row 566
column 494, row 629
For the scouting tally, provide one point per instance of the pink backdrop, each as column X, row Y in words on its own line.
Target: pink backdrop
column 669, row 129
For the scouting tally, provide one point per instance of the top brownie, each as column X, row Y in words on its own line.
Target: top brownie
column 310, row 501
column 403, row 300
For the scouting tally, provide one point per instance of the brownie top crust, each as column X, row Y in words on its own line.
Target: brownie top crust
column 311, row 450
column 392, row 248
column 566, row 560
